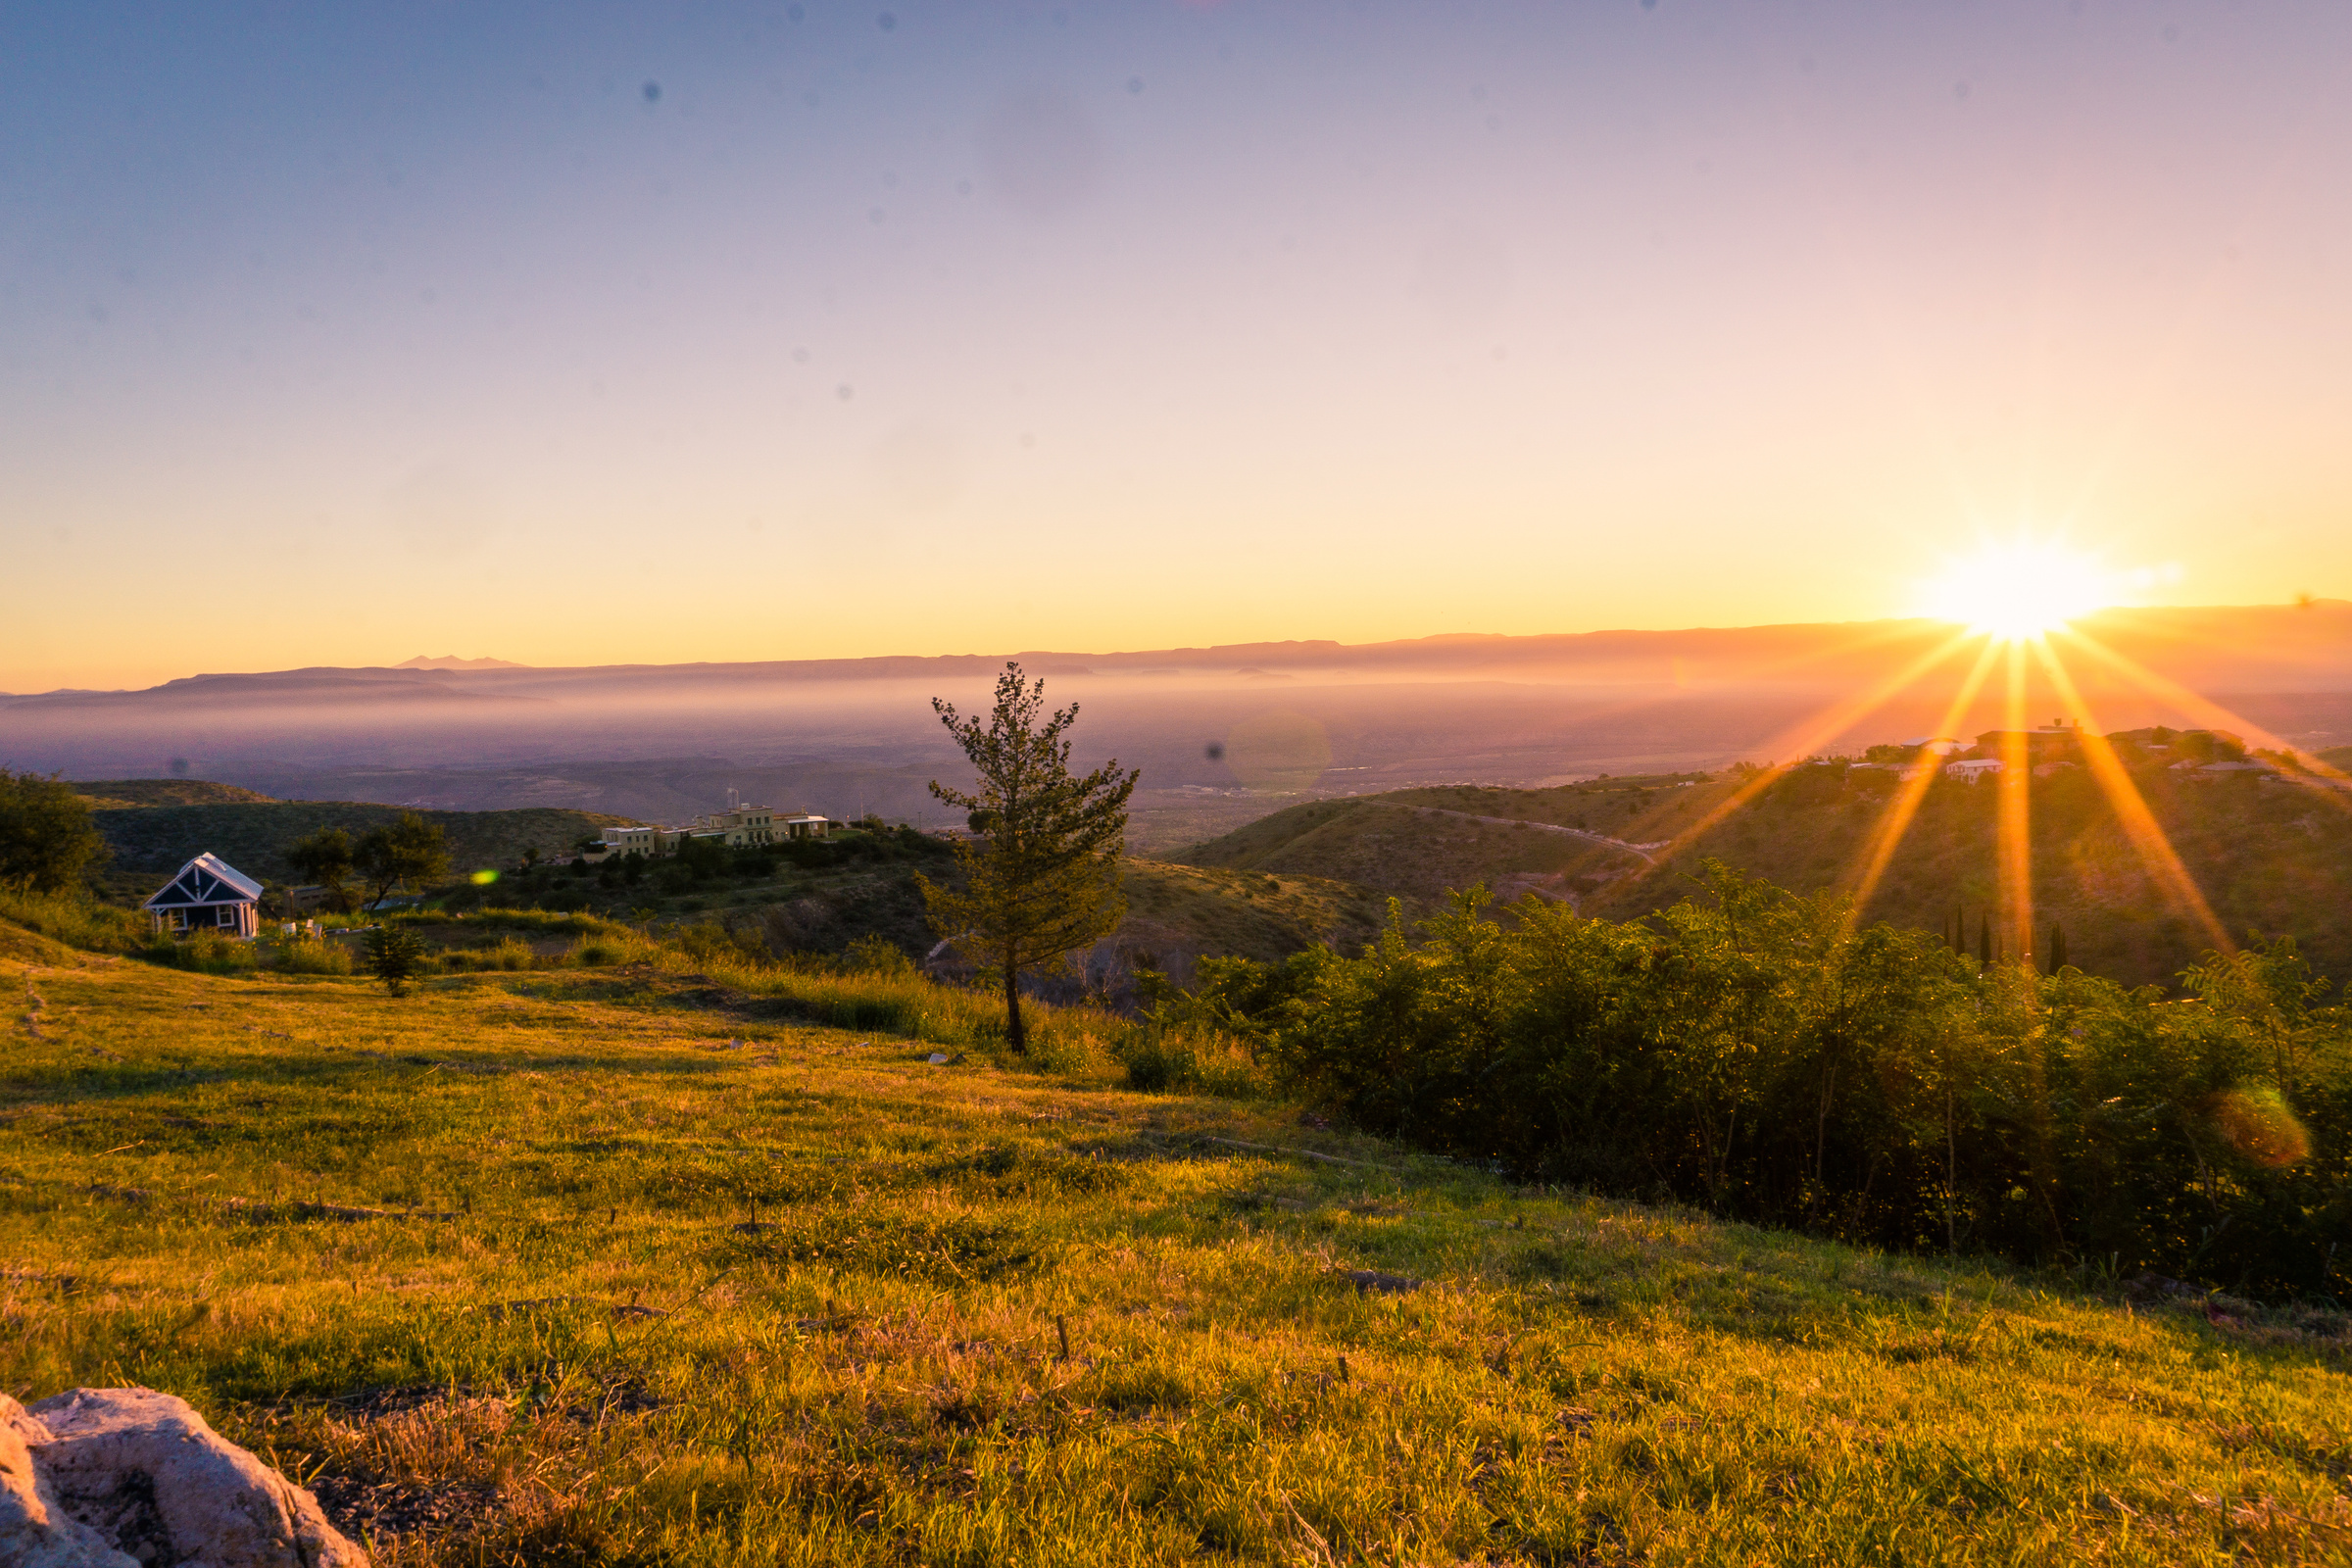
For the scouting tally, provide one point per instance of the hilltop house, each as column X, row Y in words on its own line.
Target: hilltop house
column 2058, row 738
column 207, row 895
column 1972, row 770
column 742, row 825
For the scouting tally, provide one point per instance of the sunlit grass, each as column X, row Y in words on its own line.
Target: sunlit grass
column 796, row 1295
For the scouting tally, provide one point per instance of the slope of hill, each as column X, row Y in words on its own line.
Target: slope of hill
column 119, row 794
column 253, row 835
column 2269, row 857
column 1420, row 844
column 582, row 1265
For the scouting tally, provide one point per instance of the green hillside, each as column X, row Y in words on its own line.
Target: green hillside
column 253, row 835
column 1420, row 844
column 115, row 793
column 1217, row 913
column 2269, row 858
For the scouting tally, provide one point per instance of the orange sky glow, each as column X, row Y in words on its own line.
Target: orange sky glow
column 643, row 338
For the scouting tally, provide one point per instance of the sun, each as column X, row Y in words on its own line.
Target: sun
column 2020, row 590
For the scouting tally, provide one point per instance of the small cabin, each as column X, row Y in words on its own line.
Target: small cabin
column 207, row 895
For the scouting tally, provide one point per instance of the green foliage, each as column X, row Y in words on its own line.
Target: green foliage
column 74, row 919
column 1763, row 1055
column 394, row 956
column 158, row 836
column 205, row 953
column 46, row 838
column 412, row 851
column 307, row 954
column 1045, row 880
column 875, row 953
column 325, row 858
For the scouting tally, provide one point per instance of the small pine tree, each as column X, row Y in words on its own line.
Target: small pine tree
column 1044, row 882
column 394, row 958
column 1984, row 939
column 2057, row 947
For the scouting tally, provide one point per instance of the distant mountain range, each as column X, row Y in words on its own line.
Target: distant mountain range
column 1223, row 732
column 453, row 662
column 2262, row 646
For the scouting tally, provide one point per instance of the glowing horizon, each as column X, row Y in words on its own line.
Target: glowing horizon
column 574, row 336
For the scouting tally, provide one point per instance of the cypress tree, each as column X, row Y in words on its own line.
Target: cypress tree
column 2057, row 947
column 1984, row 939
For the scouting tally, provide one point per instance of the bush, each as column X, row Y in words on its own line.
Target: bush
column 74, row 919
column 46, row 836
column 1758, row 1055
column 1158, row 1060
column 206, row 953
column 875, row 953
column 307, row 954
column 394, row 956
column 711, row 944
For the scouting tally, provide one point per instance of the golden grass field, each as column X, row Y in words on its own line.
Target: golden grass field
column 658, row 1274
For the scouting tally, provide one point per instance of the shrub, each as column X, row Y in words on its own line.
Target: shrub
column 74, row 919
column 206, row 953
column 1761, row 1056
column 307, row 954
column 46, row 836
column 875, row 953
column 394, row 956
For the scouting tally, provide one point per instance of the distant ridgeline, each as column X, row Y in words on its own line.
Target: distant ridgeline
column 2269, row 857
column 155, row 825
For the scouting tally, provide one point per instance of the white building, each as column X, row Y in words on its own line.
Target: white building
column 206, row 895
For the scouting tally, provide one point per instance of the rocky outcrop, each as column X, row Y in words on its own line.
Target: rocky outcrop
column 120, row 1478
column 35, row 1531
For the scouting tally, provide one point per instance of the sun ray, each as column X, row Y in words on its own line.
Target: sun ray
column 1799, row 740
column 2209, row 710
column 2140, row 824
column 2014, row 827
column 1895, row 821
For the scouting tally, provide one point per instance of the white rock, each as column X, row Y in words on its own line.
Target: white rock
column 35, row 1531
column 219, row 1507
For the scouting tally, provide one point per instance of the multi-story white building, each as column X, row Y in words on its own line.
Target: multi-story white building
column 737, row 826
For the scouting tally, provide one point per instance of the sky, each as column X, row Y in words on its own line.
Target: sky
column 593, row 334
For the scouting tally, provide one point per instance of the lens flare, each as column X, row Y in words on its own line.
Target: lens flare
column 483, row 879
column 2259, row 1126
column 2020, row 590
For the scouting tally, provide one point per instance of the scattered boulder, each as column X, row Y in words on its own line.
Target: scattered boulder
column 35, row 1531
column 147, row 1482
column 1370, row 1280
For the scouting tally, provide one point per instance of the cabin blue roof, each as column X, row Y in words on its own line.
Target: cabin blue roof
column 206, row 880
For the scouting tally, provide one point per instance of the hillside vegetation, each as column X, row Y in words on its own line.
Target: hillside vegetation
column 253, row 835
column 115, row 793
column 625, row 1265
column 823, row 896
column 2269, row 857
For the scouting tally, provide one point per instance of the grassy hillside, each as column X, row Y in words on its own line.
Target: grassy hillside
column 114, row 794
column 2269, row 857
column 253, row 835
column 1420, row 844
column 820, row 899
column 623, row 1267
